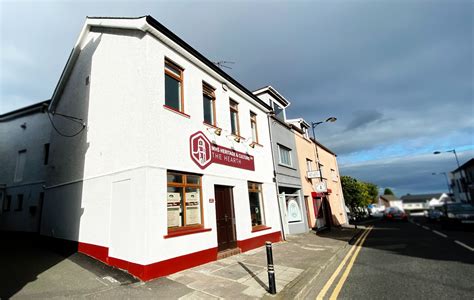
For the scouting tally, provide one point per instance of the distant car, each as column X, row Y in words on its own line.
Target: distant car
column 457, row 215
column 395, row 213
column 434, row 213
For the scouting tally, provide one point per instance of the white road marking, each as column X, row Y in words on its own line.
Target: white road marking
column 464, row 245
column 313, row 249
column 111, row 279
column 440, row 233
column 425, row 227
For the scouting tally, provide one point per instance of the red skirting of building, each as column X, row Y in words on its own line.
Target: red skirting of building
column 172, row 265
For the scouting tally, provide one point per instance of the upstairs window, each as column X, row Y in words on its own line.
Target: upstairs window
column 284, row 155
column 279, row 112
column 173, row 86
column 7, row 202
column 20, row 165
column 46, row 154
column 256, row 204
column 253, row 127
column 184, row 200
column 209, row 104
column 234, row 118
column 19, row 204
column 305, row 132
column 309, row 165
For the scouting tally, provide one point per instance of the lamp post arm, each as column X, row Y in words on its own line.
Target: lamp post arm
column 455, row 155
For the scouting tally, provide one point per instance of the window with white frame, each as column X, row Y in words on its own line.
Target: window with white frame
column 279, row 112
column 333, row 175
column 284, row 155
column 305, row 132
column 309, row 165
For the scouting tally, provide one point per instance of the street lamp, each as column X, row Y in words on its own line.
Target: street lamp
column 452, row 151
column 314, row 124
column 447, row 180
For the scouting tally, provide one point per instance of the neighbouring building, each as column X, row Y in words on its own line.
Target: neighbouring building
column 322, row 210
column 174, row 166
column 330, row 174
column 418, row 204
column 462, row 180
column 24, row 160
column 390, row 201
column 286, row 162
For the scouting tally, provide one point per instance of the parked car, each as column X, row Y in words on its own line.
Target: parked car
column 395, row 213
column 434, row 213
column 457, row 215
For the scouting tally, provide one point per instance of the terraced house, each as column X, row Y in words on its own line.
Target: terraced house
column 174, row 166
column 150, row 158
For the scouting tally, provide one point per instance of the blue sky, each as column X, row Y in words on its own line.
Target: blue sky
column 398, row 75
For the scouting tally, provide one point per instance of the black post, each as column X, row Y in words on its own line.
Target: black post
column 271, row 269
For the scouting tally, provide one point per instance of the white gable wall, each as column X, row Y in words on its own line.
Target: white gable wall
column 131, row 136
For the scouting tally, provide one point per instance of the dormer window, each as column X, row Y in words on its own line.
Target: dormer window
column 279, row 112
column 305, row 132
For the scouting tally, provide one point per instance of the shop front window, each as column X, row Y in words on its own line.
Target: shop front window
column 184, row 200
column 256, row 204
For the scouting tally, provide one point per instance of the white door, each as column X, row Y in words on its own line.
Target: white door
column 120, row 220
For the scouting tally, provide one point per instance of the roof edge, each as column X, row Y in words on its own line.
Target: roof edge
column 23, row 110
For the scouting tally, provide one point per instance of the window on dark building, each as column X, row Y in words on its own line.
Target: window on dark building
column 7, row 202
column 19, row 204
column 46, row 154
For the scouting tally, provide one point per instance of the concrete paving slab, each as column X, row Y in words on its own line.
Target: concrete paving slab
column 197, row 295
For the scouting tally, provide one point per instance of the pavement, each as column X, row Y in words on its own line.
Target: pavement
column 29, row 270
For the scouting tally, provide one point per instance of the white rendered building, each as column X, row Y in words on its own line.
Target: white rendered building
column 165, row 174
column 24, row 161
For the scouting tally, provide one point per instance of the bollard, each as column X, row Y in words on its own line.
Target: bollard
column 270, row 269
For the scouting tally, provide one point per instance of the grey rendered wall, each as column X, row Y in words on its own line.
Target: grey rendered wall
column 288, row 176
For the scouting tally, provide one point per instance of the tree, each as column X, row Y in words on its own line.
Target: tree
column 350, row 189
column 358, row 193
column 373, row 191
column 388, row 191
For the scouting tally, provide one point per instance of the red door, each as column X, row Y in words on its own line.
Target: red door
column 226, row 238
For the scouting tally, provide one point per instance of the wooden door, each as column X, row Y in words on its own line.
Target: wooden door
column 225, row 218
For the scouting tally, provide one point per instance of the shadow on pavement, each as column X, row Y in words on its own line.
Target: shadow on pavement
column 22, row 258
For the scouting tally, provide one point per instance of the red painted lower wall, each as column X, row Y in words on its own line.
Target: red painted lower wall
column 252, row 243
column 172, row 265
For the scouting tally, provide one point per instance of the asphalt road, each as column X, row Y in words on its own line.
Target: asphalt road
column 408, row 260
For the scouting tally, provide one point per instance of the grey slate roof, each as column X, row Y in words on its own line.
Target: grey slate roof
column 420, row 197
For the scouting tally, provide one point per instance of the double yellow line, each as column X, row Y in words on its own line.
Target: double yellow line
column 354, row 250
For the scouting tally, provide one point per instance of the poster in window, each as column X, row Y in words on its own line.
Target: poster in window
column 174, row 199
column 192, row 199
column 174, row 219
column 193, row 215
column 294, row 213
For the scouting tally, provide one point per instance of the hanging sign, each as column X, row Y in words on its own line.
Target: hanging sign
column 204, row 153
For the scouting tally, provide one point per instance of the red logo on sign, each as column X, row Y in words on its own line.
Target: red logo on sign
column 201, row 150
column 203, row 153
